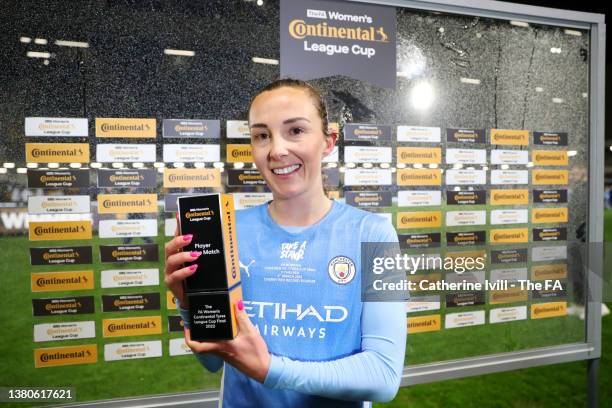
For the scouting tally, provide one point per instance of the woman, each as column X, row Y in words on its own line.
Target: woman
column 305, row 337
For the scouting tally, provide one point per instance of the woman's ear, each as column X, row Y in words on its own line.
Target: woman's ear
column 330, row 141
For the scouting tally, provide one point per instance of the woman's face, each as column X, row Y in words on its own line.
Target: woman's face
column 288, row 141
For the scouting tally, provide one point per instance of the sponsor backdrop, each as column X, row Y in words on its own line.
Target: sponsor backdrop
column 462, row 160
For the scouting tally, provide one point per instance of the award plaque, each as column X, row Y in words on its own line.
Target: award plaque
column 214, row 288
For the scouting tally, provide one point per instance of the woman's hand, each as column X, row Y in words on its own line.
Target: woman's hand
column 174, row 271
column 248, row 351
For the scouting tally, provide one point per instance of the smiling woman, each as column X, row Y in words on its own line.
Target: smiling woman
column 305, row 336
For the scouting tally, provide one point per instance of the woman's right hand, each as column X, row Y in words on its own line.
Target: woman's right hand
column 175, row 271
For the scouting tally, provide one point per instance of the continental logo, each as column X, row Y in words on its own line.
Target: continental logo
column 60, row 255
column 117, row 253
column 509, row 197
column 56, row 126
column 512, row 235
column 545, row 215
column 229, row 239
column 510, row 137
column 56, row 281
column 126, row 127
column 366, row 199
column 551, row 309
column 423, row 324
column 127, row 203
column 239, row 153
column 59, row 308
column 549, row 158
column 186, row 178
column 63, row 178
column 508, row 296
column 368, row 131
column 134, row 301
column 424, row 155
column 250, row 176
column 300, row 30
column 197, row 214
column 57, row 152
column 422, row 219
column 464, row 238
column 192, row 128
column 550, row 271
column 59, row 230
column 133, row 326
column 60, row 356
column 419, row 177
column 123, row 178
column 539, row 177
column 52, row 203
column 125, row 228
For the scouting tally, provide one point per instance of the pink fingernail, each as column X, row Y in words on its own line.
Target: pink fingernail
column 193, row 267
column 240, row 305
column 195, row 254
column 187, row 237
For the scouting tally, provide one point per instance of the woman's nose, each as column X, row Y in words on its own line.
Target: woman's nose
column 278, row 147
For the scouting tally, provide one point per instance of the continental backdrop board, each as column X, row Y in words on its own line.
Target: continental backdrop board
column 462, row 188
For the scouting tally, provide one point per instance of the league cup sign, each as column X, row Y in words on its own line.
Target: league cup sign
column 324, row 38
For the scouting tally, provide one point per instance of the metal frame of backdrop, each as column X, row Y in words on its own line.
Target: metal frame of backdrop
column 590, row 349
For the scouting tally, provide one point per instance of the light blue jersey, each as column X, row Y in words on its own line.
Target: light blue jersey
column 302, row 290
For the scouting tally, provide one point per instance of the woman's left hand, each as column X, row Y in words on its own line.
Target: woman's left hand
column 248, row 351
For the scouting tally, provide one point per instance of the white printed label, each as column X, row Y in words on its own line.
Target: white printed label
column 418, row 134
column 507, row 314
column 64, row 127
column 509, row 216
column 119, row 278
column 466, row 156
column 238, row 129
column 247, row 200
column 418, row 198
column 133, row 350
column 453, row 320
column 191, row 153
column 127, row 228
column 367, row 177
column 107, row 153
column 509, row 157
column 466, row 177
column 178, row 347
column 508, row 274
column 76, row 204
column 64, row 331
column 509, row 176
column 422, row 303
column 548, row 253
column 457, row 218
column 367, row 154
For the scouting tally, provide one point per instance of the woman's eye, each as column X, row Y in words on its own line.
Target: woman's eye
column 260, row 136
column 296, row 131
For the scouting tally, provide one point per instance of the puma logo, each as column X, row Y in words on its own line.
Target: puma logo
column 246, row 267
